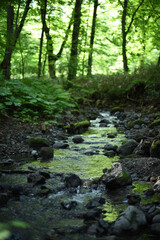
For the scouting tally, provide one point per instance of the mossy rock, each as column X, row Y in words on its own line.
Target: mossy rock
column 38, row 142
column 117, row 109
column 138, row 121
column 155, row 149
column 79, row 127
column 155, row 123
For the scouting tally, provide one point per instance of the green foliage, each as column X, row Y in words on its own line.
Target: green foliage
column 30, row 99
column 5, row 228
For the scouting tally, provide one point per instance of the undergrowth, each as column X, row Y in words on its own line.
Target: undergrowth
column 31, row 99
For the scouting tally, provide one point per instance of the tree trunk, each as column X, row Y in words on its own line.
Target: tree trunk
column 92, row 38
column 73, row 63
column 41, row 40
column 6, row 63
column 125, row 32
column 124, row 35
column 12, row 38
column 52, row 58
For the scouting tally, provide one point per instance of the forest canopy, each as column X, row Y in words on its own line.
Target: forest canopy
column 63, row 40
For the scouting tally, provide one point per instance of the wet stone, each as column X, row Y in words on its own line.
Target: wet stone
column 4, row 197
column 72, row 180
column 61, row 145
column 46, row 153
column 77, row 139
column 69, row 205
column 92, row 214
column 95, row 202
column 109, row 153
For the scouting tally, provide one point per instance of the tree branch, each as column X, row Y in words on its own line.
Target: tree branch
column 18, row 30
column 120, row 2
column 134, row 16
column 66, row 36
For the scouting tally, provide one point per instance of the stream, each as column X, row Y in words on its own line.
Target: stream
column 40, row 208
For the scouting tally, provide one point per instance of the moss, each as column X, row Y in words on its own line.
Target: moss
column 155, row 149
column 155, row 123
column 84, row 123
column 117, row 109
column 78, row 127
column 38, row 142
column 138, row 121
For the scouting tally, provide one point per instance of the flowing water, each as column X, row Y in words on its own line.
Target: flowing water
column 32, row 215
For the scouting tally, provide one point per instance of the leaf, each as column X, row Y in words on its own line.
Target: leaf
column 4, row 234
column 19, row 224
column 4, row 91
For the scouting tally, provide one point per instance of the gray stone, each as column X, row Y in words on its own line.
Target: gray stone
column 46, row 153
column 156, row 219
column 127, row 148
column 110, row 147
column 116, row 176
column 77, row 139
column 129, row 221
column 60, row 145
column 72, row 180
column 155, row 228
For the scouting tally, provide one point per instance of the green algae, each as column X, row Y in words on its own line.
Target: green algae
column 140, row 187
column 85, row 166
column 99, row 131
column 112, row 211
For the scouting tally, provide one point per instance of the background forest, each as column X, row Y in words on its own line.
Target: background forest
column 58, row 54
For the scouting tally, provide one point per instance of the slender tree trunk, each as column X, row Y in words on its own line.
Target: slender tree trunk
column 41, row 40
column 92, row 38
column 22, row 58
column 73, row 63
column 125, row 32
column 52, row 58
column 6, row 63
column 12, row 38
column 158, row 62
column 124, row 35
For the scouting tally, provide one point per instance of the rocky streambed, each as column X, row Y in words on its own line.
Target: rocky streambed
column 97, row 183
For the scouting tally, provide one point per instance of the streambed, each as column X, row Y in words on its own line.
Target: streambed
column 40, row 213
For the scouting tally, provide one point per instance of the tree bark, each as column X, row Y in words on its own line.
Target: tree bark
column 92, row 38
column 124, row 35
column 125, row 32
column 6, row 63
column 12, row 38
column 42, row 35
column 73, row 63
column 52, row 58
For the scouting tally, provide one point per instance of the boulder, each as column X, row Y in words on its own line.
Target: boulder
column 60, row 145
column 129, row 221
column 109, row 153
column 116, row 176
column 77, row 139
column 127, row 148
column 72, row 180
column 46, row 153
column 38, row 142
column 109, row 146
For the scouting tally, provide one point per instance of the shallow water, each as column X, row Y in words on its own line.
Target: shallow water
column 45, row 213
